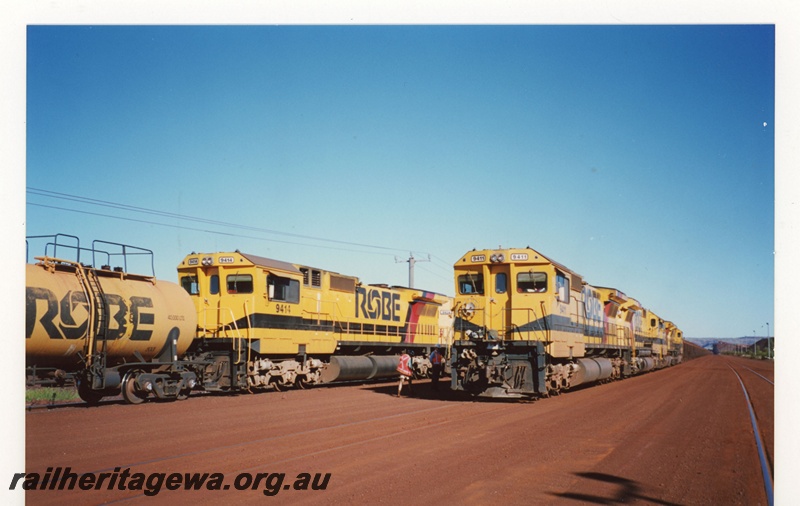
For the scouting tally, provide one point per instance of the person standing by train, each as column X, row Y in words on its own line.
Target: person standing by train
column 404, row 367
column 436, row 367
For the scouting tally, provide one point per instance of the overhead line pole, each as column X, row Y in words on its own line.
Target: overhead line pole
column 411, row 261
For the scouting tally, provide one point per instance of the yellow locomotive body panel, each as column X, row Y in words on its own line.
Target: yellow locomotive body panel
column 288, row 309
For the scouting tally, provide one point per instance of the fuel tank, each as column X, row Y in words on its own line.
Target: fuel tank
column 155, row 318
column 360, row 368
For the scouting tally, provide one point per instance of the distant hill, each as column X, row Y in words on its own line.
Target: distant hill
column 751, row 346
column 708, row 342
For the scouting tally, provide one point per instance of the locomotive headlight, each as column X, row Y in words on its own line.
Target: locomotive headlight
column 497, row 258
column 207, row 261
column 493, row 258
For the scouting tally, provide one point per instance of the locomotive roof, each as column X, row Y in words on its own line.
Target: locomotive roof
column 271, row 263
column 508, row 251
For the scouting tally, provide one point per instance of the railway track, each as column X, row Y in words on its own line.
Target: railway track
column 758, row 388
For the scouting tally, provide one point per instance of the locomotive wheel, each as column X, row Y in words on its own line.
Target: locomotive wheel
column 302, row 383
column 184, row 394
column 87, row 395
column 129, row 392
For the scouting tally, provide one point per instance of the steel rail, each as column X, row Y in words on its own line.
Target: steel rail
column 762, row 377
column 765, row 473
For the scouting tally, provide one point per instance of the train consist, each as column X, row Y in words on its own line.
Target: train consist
column 521, row 325
column 526, row 326
column 236, row 322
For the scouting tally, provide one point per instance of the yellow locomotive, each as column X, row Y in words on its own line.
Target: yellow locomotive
column 264, row 323
column 526, row 325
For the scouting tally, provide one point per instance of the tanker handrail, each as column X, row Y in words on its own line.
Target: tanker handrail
column 124, row 254
column 126, row 251
column 54, row 243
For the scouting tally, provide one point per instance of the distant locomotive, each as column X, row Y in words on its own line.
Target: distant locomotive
column 236, row 322
column 527, row 326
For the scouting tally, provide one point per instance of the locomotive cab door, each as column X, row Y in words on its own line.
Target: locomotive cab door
column 209, row 317
column 498, row 308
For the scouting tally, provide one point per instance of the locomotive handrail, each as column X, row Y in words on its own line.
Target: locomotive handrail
column 220, row 327
column 318, row 314
column 531, row 315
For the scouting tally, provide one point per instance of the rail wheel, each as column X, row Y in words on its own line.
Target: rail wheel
column 302, row 383
column 183, row 394
column 86, row 393
column 129, row 393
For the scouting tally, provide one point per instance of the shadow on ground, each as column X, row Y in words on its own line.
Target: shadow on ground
column 628, row 491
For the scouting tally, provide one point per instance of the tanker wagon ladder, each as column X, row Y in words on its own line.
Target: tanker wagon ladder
column 99, row 320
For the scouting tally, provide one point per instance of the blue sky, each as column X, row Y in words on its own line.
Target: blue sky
column 641, row 157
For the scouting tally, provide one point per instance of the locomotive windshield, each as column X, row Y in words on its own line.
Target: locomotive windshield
column 532, row 282
column 471, row 283
column 240, row 283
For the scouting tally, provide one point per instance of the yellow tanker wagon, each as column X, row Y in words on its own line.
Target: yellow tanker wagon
column 527, row 326
column 114, row 331
column 269, row 324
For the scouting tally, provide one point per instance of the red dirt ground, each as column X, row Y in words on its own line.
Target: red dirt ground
column 676, row 436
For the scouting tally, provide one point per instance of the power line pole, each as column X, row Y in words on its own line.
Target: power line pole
column 769, row 348
column 411, row 261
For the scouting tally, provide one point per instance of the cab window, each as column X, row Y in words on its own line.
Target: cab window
column 562, row 287
column 240, row 283
column 500, row 282
column 283, row 289
column 532, row 282
column 189, row 283
column 470, row 284
column 213, row 284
